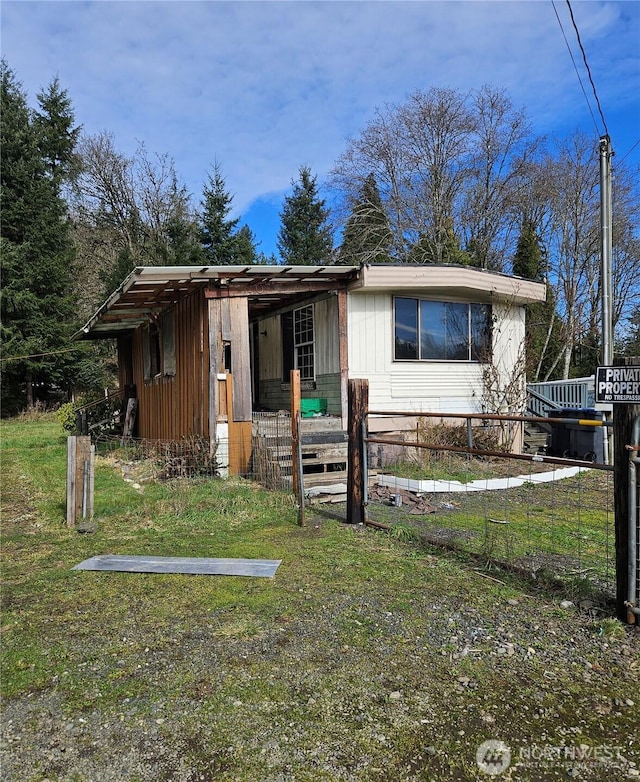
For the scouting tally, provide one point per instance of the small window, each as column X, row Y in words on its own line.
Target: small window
column 441, row 331
column 158, row 348
column 168, row 345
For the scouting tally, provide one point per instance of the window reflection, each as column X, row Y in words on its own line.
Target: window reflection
column 448, row 331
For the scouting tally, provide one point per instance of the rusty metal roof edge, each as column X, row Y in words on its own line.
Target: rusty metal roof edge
column 156, row 274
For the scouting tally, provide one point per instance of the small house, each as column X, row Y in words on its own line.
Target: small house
column 204, row 347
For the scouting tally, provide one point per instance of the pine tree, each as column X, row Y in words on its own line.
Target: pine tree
column 217, row 230
column 630, row 344
column 305, row 236
column 528, row 262
column 56, row 135
column 37, row 303
column 245, row 246
column 367, row 236
column 543, row 326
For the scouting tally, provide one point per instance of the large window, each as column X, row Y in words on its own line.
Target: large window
column 298, row 350
column 441, row 330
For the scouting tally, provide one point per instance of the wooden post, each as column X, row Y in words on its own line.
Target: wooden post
column 129, row 419
column 296, row 471
column 213, row 327
column 357, row 452
column 80, row 469
column 239, row 433
column 343, row 355
column 623, row 417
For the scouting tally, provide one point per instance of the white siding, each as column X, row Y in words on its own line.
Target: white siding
column 430, row 386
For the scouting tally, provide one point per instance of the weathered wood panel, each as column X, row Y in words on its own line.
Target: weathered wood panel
column 172, row 407
column 327, row 341
column 240, row 358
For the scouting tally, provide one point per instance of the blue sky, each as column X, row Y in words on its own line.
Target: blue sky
column 265, row 87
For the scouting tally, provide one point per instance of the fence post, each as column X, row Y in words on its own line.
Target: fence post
column 358, row 398
column 80, row 468
column 296, row 458
column 623, row 416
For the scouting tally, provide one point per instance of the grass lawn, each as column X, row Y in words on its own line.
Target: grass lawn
column 367, row 657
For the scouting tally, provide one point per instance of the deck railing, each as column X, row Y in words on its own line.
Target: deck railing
column 544, row 398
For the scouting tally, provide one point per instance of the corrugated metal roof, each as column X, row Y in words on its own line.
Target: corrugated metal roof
column 151, row 289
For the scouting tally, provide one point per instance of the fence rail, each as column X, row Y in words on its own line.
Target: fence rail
column 549, row 516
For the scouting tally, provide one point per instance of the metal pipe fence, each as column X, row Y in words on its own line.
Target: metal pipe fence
column 551, row 518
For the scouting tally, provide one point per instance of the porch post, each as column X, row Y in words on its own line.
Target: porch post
column 214, row 325
column 343, row 354
column 240, row 357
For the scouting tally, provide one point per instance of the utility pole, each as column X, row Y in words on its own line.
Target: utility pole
column 605, row 245
column 606, row 154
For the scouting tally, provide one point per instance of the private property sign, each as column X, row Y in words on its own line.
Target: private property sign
column 618, row 385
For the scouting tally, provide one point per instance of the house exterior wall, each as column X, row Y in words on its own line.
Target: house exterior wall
column 428, row 386
column 274, row 393
column 173, row 407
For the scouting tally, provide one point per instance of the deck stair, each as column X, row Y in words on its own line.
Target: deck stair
column 536, row 437
column 324, row 450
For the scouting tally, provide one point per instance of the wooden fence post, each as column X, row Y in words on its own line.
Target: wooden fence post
column 296, row 444
column 623, row 417
column 358, row 397
column 80, row 469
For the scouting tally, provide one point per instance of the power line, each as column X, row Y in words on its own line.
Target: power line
column 629, row 152
column 39, row 355
column 576, row 68
column 586, row 65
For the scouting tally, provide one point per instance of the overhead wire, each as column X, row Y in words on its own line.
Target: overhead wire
column 629, row 152
column 586, row 65
column 39, row 355
column 584, row 92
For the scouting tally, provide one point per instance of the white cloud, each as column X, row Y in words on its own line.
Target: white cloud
column 264, row 87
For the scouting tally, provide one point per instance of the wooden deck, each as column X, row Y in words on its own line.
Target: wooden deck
column 324, row 449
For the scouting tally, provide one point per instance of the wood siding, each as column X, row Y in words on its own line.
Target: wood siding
column 173, row 407
column 274, row 393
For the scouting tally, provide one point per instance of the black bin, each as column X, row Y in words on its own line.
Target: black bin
column 577, row 441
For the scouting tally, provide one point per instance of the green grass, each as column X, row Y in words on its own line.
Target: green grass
column 565, row 526
column 295, row 677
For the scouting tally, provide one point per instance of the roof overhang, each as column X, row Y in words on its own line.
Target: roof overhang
column 449, row 281
column 149, row 290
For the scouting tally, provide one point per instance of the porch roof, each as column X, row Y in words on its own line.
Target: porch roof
column 151, row 289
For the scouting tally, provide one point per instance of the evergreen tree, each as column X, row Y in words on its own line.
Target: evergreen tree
column 217, row 230
column 305, row 236
column 543, row 326
column 528, row 261
column 37, row 303
column 245, row 247
column 425, row 250
column 56, row 135
column 367, row 236
column 630, row 344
